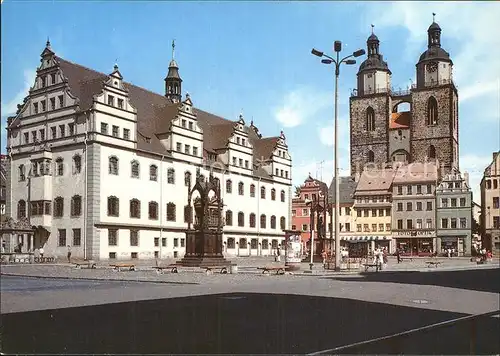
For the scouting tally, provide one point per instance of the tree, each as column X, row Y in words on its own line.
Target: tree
column 297, row 191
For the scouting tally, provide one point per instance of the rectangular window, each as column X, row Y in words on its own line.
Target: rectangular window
column 463, row 223
column 444, row 223
column 112, row 237
column 62, row 237
column 44, row 105
column 408, row 190
column 187, row 149
column 495, row 184
column 71, row 128
column 453, row 202
column 358, row 227
column 304, row 227
column 195, row 151
column 133, row 255
column 428, row 224
column 419, row 189
column 104, row 128
column 42, row 134
column 429, row 189
column 366, row 213
column 35, row 108
column 115, row 131
column 61, row 101
column 157, row 242
column 400, row 206
column 134, row 238
column 400, row 224
column 120, row 103
column 77, row 237
column 112, row 255
column 246, row 163
column 388, row 212
column 26, row 137
column 400, row 190
column 429, row 206
column 234, row 163
column 462, row 202
column 126, row 134
column 305, row 212
column 53, row 78
column 453, row 223
column 381, row 212
column 183, row 122
column 380, row 227
column 366, row 228
column 496, row 222
column 178, row 147
column 43, row 81
column 348, row 211
column 190, row 125
column 496, row 202
column 419, row 223
column 409, row 206
column 347, row 227
column 62, row 130
column 419, row 206
column 444, row 202
column 164, row 242
column 374, row 212
column 183, row 242
column 53, row 130
column 388, row 227
column 52, row 103
column 374, row 227
column 409, row 224
column 111, row 100
column 358, row 213
column 240, row 161
column 176, row 242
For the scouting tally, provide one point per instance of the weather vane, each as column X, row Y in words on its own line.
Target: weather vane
column 173, row 48
column 433, row 16
column 372, row 28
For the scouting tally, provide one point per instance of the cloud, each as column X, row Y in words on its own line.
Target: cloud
column 301, row 104
column 475, row 166
column 11, row 107
column 479, row 89
column 326, row 134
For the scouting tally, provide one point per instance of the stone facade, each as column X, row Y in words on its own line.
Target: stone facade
column 429, row 134
column 490, row 205
column 454, row 215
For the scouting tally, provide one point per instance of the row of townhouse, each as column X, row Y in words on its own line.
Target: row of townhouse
column 103, row 166
column 410, row 207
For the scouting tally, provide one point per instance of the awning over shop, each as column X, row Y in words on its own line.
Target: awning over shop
column 359, row 238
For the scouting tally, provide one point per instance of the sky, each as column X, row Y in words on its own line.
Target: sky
column 255, row 58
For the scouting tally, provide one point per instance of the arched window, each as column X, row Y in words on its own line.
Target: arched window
column 263, row 221
column 113, row 165
column 113, row 206
column 187, row 179
column 241, row 189
column 171, row 212
column 432, row 111
column 135, row 208
column 371, row 156
column 252, row 190
column 22, row 172
column 263, row 193
column 229, row 186
column 370, row 119
column 243, row 243
column 265, row 244
column 171, row 176
column 273, row 194
column 188, row 214
column 229, row 218
column 431, row 152
column 153, row 210
column 77, row 164
column 21, row 209
column 273, row 222
column 76, row 205
column 60, row 166
column 58, row 207
column 241, row 219
column 153, row 173
column 134, row 166
column 252, row 220
column 282, row 223
column 282, row 195
column 230, row 242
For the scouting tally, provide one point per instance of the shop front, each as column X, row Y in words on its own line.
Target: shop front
column 455, row 244
column 363, row 246
column 415, row 243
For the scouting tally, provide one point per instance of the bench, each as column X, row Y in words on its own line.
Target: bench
column 171, row 267
column 371, row 265
column 433, row 263
column 44, row 259
column 279, row 269
column 210, row 269
column 118, row 267
column 88, row 264
column 402, row 259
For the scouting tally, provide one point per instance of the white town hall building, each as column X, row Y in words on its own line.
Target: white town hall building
column 102, row 165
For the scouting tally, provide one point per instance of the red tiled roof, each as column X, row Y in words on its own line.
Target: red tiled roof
column 400, row 120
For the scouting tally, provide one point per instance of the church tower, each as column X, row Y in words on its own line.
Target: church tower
column 370, row 110
column 434, row 124
column 173, row 80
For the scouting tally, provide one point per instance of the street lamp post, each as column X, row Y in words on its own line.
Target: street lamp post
column 337, row 47
column 312, row 204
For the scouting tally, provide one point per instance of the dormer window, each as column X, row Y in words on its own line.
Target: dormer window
column 53, row 78
column 35, row 108
column 120, row 103
column 52, row 103
column 183, row 123
column 238, row 140
column 61, row 101
column 44, row 105
column 243, row 141
column 234, row 161
column 190, row 125
column 43, row 81
column 111, row 100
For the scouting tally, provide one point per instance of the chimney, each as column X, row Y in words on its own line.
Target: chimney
column 466, row 178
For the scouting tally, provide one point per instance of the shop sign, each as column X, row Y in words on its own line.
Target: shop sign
column 415, row 233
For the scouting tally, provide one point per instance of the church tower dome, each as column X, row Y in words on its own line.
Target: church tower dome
column 373, row 74
column 173, row 81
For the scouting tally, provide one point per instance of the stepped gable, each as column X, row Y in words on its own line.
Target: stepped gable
column 155, row 112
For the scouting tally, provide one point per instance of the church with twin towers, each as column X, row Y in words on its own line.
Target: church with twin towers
column 382, row 135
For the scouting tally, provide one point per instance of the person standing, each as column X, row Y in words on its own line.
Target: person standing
column 278, row 254
column 69, row 254
column 398, row 255
column 41, row 252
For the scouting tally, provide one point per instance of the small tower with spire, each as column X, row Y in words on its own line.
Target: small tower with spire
column 173, row 81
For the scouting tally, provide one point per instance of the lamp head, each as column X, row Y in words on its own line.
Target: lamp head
column 359, row 52
column 337, row 46
column 350, row 61
column 326, row 61
column 316, row 52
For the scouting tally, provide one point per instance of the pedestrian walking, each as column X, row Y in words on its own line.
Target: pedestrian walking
column 69, row 254
column 41, row 252
column 278, row 254
column 324, row 255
